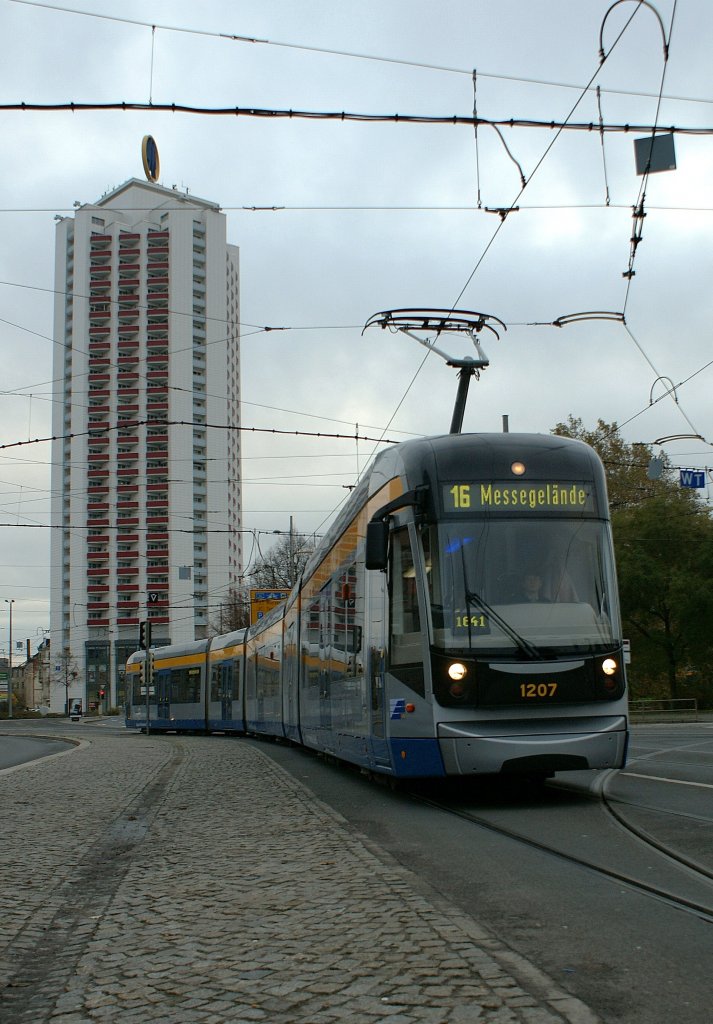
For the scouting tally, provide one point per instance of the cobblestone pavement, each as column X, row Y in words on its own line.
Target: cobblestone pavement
column 190, row 879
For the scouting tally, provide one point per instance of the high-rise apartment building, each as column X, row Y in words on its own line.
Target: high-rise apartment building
column 145, row 465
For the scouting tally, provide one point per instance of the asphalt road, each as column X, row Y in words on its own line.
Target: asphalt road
column 16, row 750
column 631, row 957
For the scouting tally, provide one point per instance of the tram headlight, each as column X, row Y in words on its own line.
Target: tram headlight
column 609, row 666
column 457, row 671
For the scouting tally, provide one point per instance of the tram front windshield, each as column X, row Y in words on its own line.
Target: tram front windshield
column 522, row 587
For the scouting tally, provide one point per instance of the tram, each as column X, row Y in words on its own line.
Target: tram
column 460, row 617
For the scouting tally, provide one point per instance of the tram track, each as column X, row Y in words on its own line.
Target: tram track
column 703, row 911
column 608, row 801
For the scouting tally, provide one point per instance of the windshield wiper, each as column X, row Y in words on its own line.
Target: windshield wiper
column 520, row 642
column 472, row 598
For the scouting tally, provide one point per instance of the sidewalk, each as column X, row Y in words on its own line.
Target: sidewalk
column 163, row 880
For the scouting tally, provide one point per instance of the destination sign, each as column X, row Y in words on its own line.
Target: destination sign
column 506, row 496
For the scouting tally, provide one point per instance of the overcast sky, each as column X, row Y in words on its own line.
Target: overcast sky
column 374, row 217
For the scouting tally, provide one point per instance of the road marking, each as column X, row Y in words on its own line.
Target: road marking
column 674, row 782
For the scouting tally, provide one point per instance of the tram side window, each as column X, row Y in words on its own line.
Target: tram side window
column 347, row 621
column 405, row 617
column 311, row 649
column 185, row 685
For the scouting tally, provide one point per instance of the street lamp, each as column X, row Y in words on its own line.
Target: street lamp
column 11, row 602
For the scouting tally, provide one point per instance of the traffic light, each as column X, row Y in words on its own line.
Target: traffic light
column 102, row 693
column 144, row 635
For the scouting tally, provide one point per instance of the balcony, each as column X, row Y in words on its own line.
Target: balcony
column 95, row 332
column 97, row 588
column 96, row 572
column 127, row 588
column 132, row 621
column 98, row 622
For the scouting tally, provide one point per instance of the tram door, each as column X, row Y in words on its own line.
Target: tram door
column 376, row 659
column 290, row 699
column 162, row 693
column 226, row 692
column 325, row 657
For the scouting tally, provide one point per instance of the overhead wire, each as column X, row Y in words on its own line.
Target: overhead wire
column 246, row 38
column 395, row 117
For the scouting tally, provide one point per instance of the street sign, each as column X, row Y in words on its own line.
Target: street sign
column 693, row 478
column 153, row 597
column 262, row 601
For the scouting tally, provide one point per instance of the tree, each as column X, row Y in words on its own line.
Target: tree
column 664, row 552
column 280, row 568
column 234, row 611
column 626, row 465
column 663, row 540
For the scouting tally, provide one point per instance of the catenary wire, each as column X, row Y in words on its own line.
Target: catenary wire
column 332, row 52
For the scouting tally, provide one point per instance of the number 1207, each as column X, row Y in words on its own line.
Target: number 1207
column 534, row 690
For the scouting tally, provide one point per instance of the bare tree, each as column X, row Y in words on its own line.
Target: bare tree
column 280, row 568
column 234, row 611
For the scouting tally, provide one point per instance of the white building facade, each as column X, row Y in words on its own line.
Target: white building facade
column 146, row 416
